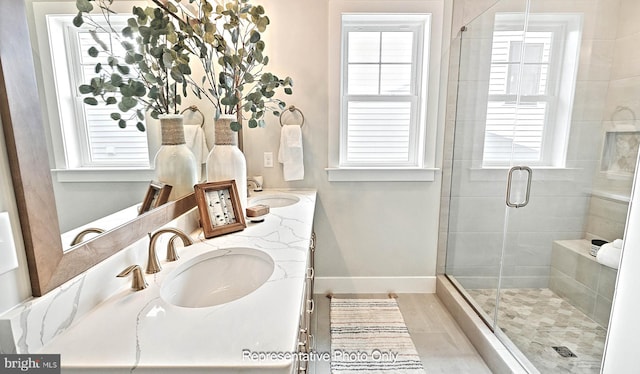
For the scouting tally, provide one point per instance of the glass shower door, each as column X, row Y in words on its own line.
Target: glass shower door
column 526, row 168
column 477, row 210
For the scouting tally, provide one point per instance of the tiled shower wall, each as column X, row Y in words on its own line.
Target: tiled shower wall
column 474, row 207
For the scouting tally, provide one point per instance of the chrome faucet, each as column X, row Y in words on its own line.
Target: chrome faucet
column 153, row 265
column 80, row 237
column 137, row 283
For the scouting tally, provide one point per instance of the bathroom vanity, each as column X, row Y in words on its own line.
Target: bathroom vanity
column 264, row 274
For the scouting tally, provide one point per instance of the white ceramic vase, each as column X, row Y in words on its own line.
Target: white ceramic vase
column 226, row 161
column 175, row 164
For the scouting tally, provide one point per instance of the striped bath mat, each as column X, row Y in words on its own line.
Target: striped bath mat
column 370, row 336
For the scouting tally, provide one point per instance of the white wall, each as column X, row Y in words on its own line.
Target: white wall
column 14, row 285
column 364, row 229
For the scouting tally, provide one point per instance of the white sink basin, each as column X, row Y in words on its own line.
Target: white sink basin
column 276, row 201
column 217, row 277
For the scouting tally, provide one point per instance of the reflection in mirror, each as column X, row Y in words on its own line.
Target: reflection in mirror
column 26, row 142
column 100, row 172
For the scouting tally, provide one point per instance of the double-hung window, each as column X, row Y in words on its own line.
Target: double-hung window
column 91, row 139
column 383, row 90
column 531, row 86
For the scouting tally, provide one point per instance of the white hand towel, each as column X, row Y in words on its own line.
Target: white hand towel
column 195, row 139
column 609, row 255
column 290, row 153
column 617, row 243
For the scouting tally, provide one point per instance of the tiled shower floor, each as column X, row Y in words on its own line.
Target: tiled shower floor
column 536, row 319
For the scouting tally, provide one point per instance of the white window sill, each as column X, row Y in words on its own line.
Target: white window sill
column 381, row 174
column 104, row 175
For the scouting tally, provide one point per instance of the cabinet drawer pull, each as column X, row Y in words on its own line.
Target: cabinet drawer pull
column 312, row 341
column 310, row 273
column 310, row 306
column 312, row 242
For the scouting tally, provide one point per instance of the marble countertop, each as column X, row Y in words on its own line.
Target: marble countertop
column 139, row 331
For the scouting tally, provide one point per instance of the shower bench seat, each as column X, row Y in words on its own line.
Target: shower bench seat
column 577, row 277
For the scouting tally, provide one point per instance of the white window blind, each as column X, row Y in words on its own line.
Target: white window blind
column 101, row 142
column 381, row 98
column 520, row 97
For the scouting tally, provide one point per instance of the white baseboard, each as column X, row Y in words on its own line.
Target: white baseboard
column 338, row 285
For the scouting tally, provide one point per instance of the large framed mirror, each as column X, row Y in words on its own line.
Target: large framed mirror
column 22, row 122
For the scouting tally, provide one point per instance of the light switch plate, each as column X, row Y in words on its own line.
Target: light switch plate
column 268, row 159
column 8, row 258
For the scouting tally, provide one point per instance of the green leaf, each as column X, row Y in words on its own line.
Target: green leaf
column 184, row 69
column 127, row 46
column 77, row 20
column 139, row 89
column 84, row 6
column 140, row 115
column 96, row 38
column 176, row 75
column 154, row 92
column 116, row 80
column 123, row 69
column 127, row 32
column 255, row 36
column 93, row 52
column 129, row 103
column 116, row 116
column 128, row 58
column 288, row 91
column 122, row 124
column 111, row 100
column 235, row 126
column 140, row 126
column 90, row 101
column 85, row 89
column 253, row 123
column 98, row 68
column 126, row 91
column 167, row 59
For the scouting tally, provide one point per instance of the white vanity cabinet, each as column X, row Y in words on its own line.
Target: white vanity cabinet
column 306, row 340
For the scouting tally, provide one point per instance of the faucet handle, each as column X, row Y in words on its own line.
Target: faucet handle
column 137, row 283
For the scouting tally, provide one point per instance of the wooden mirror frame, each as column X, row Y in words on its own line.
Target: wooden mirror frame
column 49, row 266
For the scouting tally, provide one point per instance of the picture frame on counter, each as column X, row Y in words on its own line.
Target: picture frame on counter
column 219, row 208
column 157, row 195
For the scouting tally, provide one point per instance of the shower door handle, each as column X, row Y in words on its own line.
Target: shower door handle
column 526, row 198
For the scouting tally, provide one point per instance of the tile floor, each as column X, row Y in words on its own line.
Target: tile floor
column 441, row 344
column 537, row 319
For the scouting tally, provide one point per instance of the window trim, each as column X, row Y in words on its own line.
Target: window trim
column 431, row 80
column 388, row 23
